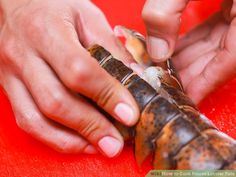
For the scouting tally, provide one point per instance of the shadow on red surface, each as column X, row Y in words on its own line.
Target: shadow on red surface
column 21, row 155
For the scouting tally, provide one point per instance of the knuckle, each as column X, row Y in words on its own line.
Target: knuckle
column 34, row 25
column 52, row 102
column 26, row 120
column 106, row 94
column 160, row 17
column 79, row 74
column 90, row 127
column 9, row 49
column 21, row 122
column 145, row 14
column 11, row 54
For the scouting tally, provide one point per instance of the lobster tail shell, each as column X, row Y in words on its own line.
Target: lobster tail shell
column 170, row 126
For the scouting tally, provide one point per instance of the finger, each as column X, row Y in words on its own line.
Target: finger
column 82, row 73
column 29, row 118
column 198, row 33
column 193, row 70
column 98, row 31
column 219, row 70
column 215, row 74
column 69, row 110
column 210, row 43
column 162, row 19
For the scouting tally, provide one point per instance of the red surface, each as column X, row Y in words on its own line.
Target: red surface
column 21, row 155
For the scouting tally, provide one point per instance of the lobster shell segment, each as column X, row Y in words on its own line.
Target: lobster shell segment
column 178, row 133
column 198, row 155
column 153, row 118
column 170, row 126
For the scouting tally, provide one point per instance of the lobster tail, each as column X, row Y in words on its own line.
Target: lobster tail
column 170, row 126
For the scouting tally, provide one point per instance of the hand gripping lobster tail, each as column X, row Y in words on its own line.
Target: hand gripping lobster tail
column 170, row 126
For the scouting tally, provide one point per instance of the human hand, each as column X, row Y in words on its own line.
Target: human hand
column 206, row 56
column 44, row 64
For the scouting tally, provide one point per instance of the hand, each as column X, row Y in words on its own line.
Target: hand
column 206, row 56
column 44, row 64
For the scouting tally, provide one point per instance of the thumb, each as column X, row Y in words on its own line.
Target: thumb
column 162, row 19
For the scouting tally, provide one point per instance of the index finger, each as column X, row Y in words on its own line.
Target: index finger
column 162, row 19
column 97, row 30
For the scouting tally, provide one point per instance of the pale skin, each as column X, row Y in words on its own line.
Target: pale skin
column 205, row 57
column 44, row 63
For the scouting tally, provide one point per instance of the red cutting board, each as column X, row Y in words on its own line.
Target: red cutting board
column 21, row 155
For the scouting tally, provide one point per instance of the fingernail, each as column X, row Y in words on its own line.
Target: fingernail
column 125, row 113
column 157, row 48
column 110, row 146
column 90, row 150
